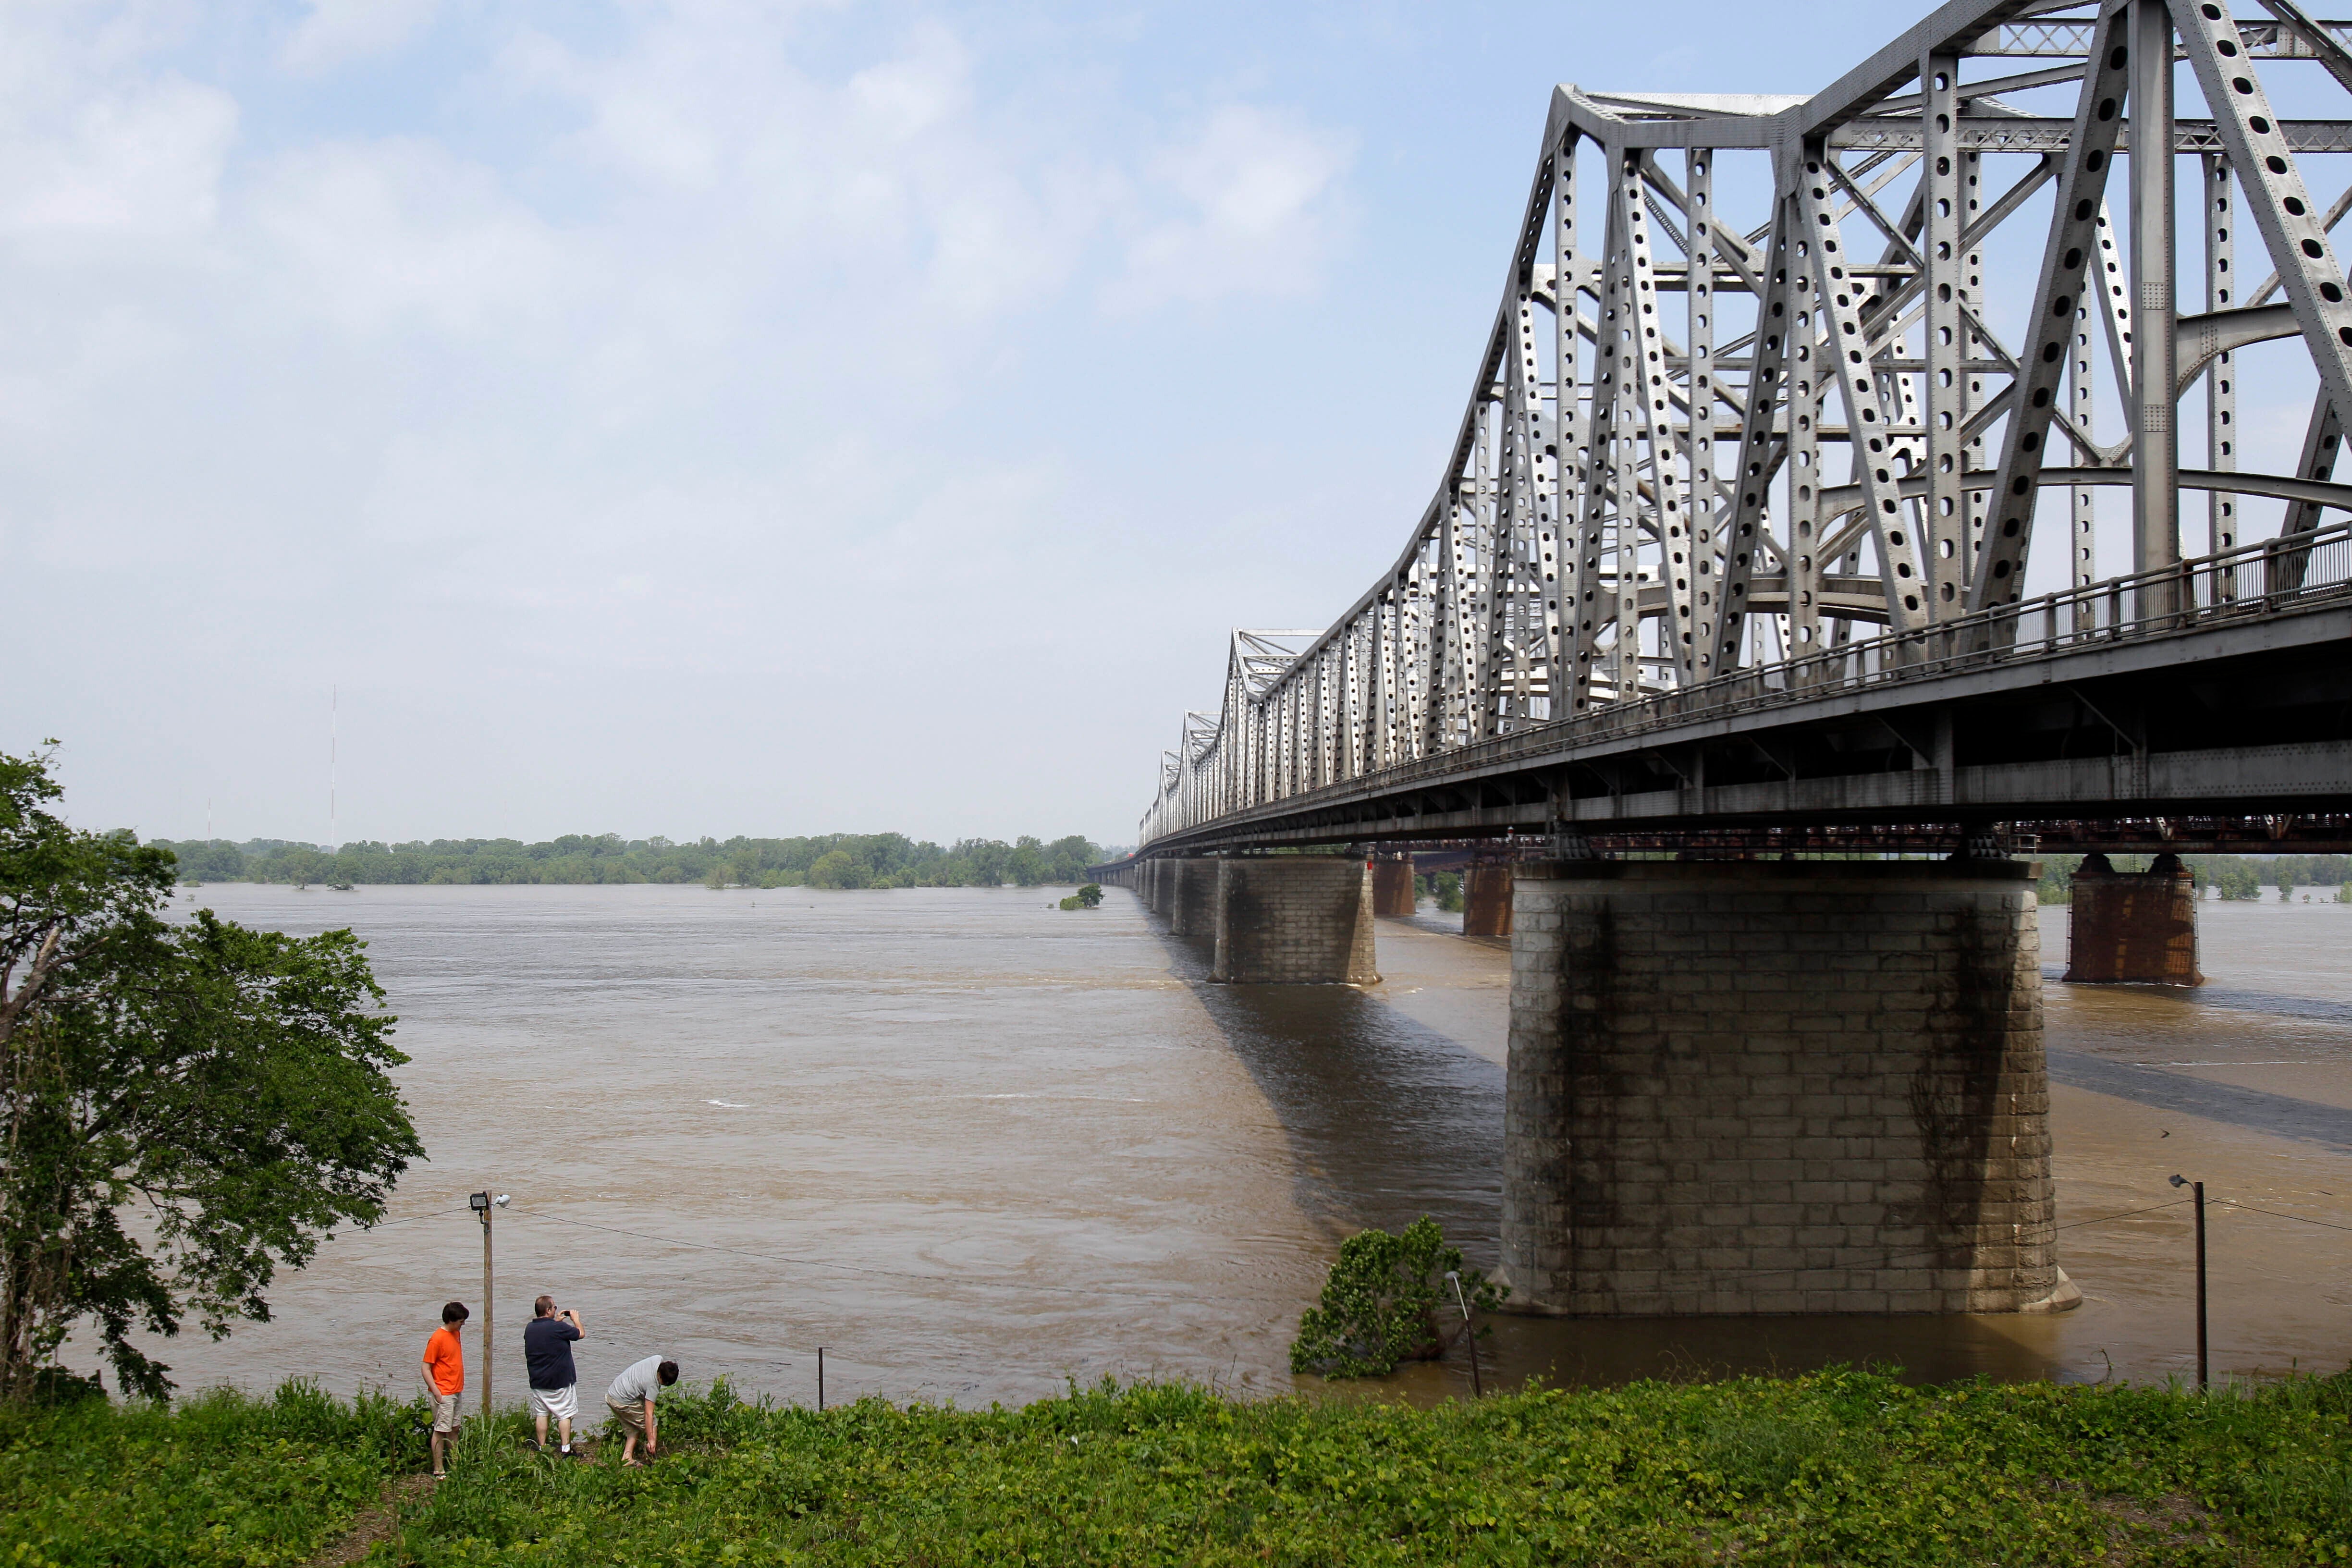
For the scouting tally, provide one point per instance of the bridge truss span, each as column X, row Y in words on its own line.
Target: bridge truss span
column 1793, row 399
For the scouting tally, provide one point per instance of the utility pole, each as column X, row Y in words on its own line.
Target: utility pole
column 1469, row 1332
column 2198, row 1191
column 483, row 1203
column 820, row 1377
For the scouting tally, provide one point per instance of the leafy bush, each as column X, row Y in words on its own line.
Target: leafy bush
column 1382, row 1303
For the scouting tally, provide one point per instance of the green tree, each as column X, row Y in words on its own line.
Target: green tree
column 1026, row 865
column 1383, row 1303
column 837, row 869
column 1445, row 887
column 183, row 1107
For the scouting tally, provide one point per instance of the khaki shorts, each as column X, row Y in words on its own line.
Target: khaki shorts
column 444, row 1411
column 632, row 1416
column 563, row 1403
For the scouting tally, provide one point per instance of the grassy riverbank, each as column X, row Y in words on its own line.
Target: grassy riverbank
column 1843, row 1466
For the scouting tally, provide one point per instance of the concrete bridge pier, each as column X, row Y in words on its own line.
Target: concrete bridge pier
column 1392, row 893
column 1764, row 1087
column 1487, row 896
column 2133, row 926
column 1294, row 920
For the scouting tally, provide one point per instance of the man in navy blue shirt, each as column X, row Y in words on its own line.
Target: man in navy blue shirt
column 554, row 1383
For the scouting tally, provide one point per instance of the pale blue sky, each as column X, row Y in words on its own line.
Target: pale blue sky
column 717, row 418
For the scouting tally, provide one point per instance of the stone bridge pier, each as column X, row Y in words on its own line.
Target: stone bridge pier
column 1762, row 1087
column 1277, row 920
column 1294, row 920
column 1192, row 906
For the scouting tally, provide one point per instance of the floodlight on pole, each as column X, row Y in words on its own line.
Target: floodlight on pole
column 485, row 1204
column 2197, row 1190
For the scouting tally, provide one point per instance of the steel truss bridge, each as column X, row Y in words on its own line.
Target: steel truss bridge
column 1733, row 545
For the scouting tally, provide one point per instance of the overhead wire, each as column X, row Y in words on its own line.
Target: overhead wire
column 413, row 1218
column 2281, row 1214
column 948, row 1279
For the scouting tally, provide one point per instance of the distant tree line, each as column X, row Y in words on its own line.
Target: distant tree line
column 2238, row 877
column 826, row 860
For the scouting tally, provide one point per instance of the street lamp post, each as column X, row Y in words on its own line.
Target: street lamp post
column 2197, row 1190
column 483, row 1203
column 1477, row 1385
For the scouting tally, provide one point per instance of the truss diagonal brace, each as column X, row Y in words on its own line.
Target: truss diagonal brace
column 1845, row 350
column 1742, row 534
column 1999, row 576
column 2274, row 191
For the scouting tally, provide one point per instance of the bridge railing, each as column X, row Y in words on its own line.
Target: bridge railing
column 2267, row 578
column 2250, row 580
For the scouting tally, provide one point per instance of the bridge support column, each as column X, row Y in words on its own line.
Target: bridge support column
column 1486, row 901
column 2133, row 926
column 1295, row 919
column 1392, row 892
column 1192, row 898
column 1155, row 878
column 1746, row 1088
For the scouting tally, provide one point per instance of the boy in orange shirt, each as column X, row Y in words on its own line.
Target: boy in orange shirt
column 444, row 1373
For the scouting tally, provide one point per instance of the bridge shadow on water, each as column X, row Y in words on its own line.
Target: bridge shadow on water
column 1387, row 1119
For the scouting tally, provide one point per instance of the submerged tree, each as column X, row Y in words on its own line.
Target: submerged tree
column 1385, row 1301
column 183, row 1107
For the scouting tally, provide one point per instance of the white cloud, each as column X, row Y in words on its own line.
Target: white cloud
column 338, row 32
column 1261, row 188
column 379, row 235
column 97, row 144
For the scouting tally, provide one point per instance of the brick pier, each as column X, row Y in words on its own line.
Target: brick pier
column 1486, row 901
column 2133, row 926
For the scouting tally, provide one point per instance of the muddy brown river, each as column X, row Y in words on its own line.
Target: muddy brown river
column 977, row 1147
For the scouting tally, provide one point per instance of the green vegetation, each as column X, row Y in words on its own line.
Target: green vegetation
column 828, row 860
column 1087, row 898
column 1385, row 1301
column 1445, row 887
column 1843, row 1467
column 183, row 1107
column 219, row 1481
column 2236, row 876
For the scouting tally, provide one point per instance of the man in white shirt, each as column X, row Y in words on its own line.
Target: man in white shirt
column 631, row 1401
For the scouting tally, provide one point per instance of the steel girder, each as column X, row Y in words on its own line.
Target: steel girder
column 1810, row 441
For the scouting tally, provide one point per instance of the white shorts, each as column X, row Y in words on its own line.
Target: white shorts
column 563, row 1403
